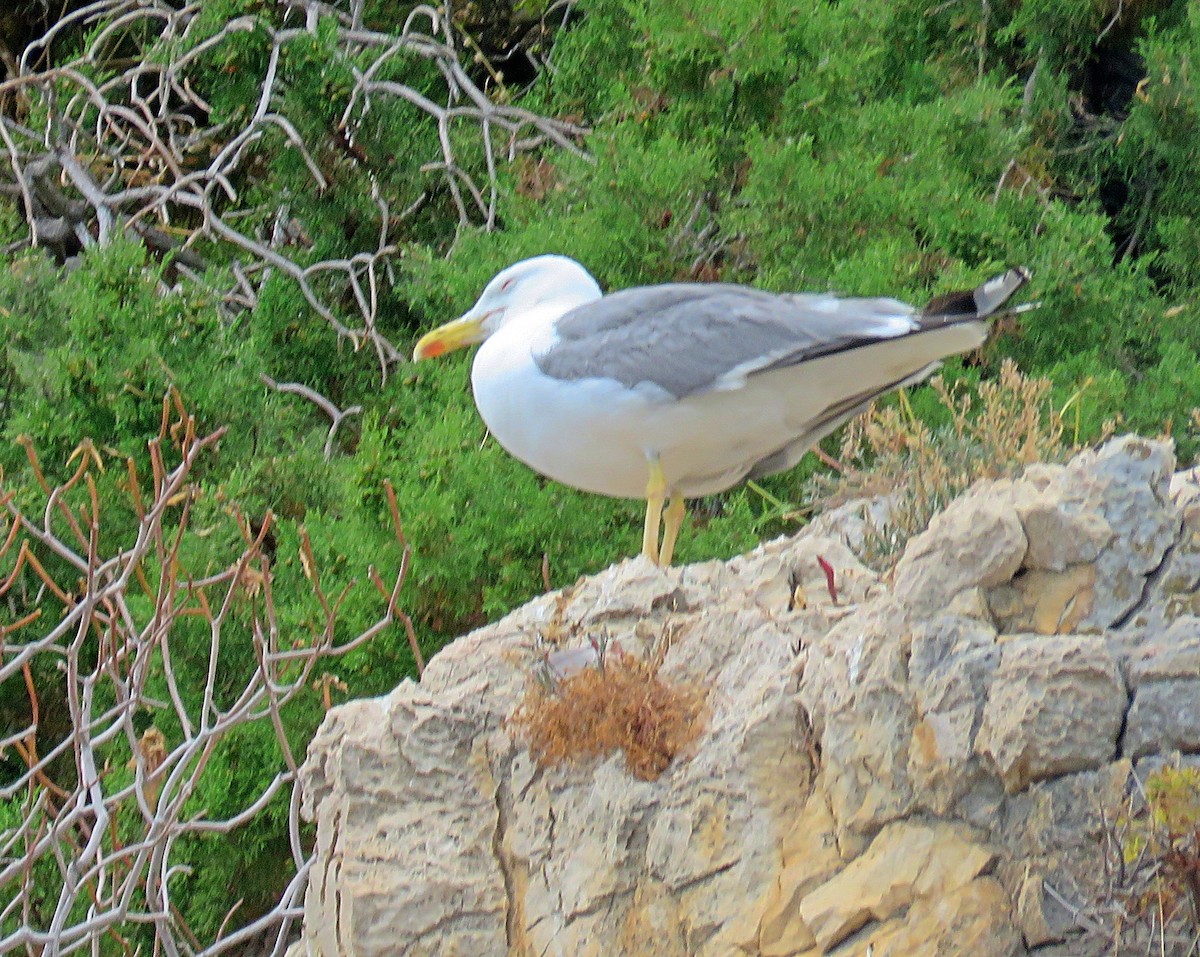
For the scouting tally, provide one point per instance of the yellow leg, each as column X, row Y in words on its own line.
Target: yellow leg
column 656, row 491
column 673, row 521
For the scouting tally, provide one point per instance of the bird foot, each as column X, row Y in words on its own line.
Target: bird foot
column 671, row 518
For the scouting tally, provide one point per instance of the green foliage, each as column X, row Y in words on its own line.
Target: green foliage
column 1171, row 815
column 1160, row 148
column 92, row 352
column 45, row 875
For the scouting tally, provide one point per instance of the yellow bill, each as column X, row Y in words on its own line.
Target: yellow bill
column 453, row 335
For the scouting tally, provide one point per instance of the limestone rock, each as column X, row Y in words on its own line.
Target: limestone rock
column 970, row 921
column 809, row 855
column 1174, row 655
column 1165, row 716
column 404, row 756
column 1059, row 538
column 924, row 767
column 1164, row 672
column 1054, row 706
column 975, row 541
column 857, row 523
column 1036, row 925
column 1099, row 530
column 904, row 864
column 1046, row 602
column 852, row 691
column 951, row 666
column 1129, row 481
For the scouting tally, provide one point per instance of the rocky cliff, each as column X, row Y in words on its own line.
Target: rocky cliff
column 927, row 764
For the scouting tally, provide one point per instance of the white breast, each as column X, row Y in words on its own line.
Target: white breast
column 591, row 434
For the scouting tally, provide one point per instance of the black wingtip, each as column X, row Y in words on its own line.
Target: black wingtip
column 982, row 301
column 997, row 291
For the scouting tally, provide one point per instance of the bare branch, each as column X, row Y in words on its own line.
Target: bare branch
column 337, row 415
column 130, row 146
column 98, row 645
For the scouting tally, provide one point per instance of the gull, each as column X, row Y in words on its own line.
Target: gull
column 682, row 390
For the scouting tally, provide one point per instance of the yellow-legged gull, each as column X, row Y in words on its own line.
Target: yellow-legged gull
column 682, row 390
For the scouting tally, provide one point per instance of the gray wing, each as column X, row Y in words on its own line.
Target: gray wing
column 690, row 338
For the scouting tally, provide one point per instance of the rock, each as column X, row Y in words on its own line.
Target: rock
column 970, row 921
column 904, row 864
column 809, row 854
column 1045, row 602
column 1165, row 716
column 1059, row 538
column 790, row 575
column 922, row 769
column 1174, row 591
column 860, row 524
column 1164, row 672
column 406, row 758
column 1056, row 832
column 633, row 591
column 1176, row 654
column 1031, row 914
column 1054, row 706
column 1099, row 530
column 950, row 668
column 1128, row 480
column 976, row 541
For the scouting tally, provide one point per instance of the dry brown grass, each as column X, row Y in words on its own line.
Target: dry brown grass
column 621, row 705
column 994, row 432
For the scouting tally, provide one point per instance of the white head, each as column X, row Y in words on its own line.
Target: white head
column 511, row 293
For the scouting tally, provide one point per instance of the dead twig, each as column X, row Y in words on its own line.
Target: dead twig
column 127, row 145
column 337, row 415
column 106, row 633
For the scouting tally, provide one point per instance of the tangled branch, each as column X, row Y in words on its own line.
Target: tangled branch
column 111, row 144
column 103, row 795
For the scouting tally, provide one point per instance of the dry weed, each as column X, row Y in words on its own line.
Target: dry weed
column 1149, row 902
column 994, row 432
column 1165, row 833
column 621, row 705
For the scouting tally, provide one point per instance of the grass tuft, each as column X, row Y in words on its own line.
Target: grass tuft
column 622, row 704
